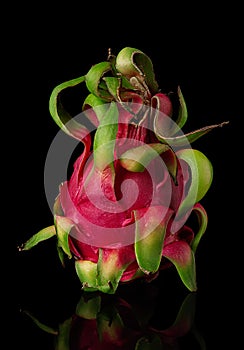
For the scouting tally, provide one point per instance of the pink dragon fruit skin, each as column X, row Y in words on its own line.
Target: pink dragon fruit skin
column 121, row 216
column 125, row 255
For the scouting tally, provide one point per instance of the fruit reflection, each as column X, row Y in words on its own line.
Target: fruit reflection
column 128, row 321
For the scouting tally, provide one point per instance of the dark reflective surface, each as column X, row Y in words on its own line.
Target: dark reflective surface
column 51, row 309
column 139, row 316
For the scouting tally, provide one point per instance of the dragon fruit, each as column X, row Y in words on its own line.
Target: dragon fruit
column 124, row 212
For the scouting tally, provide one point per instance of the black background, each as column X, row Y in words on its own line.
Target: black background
column 198, row 49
